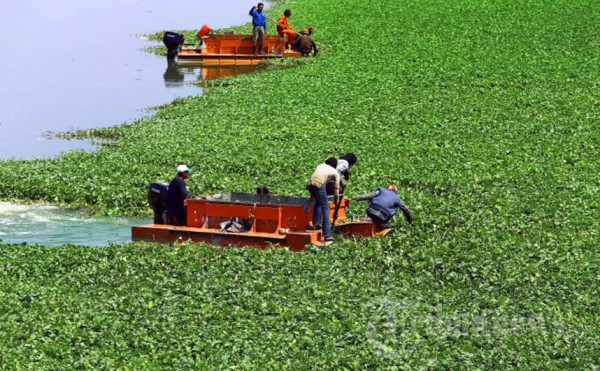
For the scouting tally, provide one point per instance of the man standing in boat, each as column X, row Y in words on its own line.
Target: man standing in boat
column 284, row 29
column 259, row 23
column 176, row 194
column 317, row 186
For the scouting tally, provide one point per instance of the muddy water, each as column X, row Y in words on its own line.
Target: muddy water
column 67, row 64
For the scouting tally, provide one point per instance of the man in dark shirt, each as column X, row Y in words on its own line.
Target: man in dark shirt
column 304, row 43
column 383, row 204
column 176, row 194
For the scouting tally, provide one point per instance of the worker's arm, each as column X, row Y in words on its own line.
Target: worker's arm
column 315, row 52
column 183, row 190
column 252, row 10
column 347, row 171
column 337, row 185
column 405, row 211
column 281, row 23
column 296, row 42
column 369, row 196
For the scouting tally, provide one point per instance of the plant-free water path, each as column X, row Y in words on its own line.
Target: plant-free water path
column 50, row 225
column 68, row 64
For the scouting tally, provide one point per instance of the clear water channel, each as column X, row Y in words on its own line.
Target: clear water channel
column 72, row 64
column 50, row 225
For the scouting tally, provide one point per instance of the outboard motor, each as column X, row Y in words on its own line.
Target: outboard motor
column 172, row 41
column 157, row 198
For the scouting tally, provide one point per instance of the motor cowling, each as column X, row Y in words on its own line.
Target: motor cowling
column 173, row 42
column 157, row 199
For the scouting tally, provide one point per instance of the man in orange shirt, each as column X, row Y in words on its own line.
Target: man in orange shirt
column 284, row 29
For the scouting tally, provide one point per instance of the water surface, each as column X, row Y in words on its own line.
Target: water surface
column 50, row 225
column 72, row 64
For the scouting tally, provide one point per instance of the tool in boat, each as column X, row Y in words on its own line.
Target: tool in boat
column 336, row 211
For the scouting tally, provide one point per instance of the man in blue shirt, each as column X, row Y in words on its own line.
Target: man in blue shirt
column 383, row 204
column 176, row 194
column 259, row 21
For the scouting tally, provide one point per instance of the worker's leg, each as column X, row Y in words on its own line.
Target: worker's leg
column 376, row 216
column 386, row 225
column 176, row 217
column 316, row 217
column 183, row 216
column 261, row 37
column 289, row 37
column 254, row 37
column 258, row 34
column 171, row 218
column 324, row 203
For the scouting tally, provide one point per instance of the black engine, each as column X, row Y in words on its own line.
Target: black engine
column 172, row 41
column 157, row 198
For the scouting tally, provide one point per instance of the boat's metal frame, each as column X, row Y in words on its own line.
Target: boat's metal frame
column 233, row 50
column 273, row 220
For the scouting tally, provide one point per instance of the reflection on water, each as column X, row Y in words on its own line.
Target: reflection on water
column 50, row 225
column 173, row 76
column 177, row 76
column 73, row 64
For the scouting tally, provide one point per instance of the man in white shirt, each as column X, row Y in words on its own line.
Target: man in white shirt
column 323, row 175
column 344, row 166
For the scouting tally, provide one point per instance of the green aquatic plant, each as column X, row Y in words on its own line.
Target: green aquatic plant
column 365, row 304
column 484, row 114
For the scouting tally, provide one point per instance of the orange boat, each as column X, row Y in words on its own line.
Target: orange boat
column 271, row 220
column 233, row 50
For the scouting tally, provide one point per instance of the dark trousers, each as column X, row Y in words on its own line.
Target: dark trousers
column 258, row 34
column 176, row 217
column 321, row 211
column 379, row 218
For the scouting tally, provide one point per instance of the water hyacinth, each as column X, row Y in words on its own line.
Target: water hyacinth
column 483, row 113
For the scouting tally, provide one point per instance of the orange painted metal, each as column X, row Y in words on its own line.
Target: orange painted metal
column 233, row 50
column 278, row 220
column 362, row 228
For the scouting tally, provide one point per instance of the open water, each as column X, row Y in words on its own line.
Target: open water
column 73, row 64
column 50, row 225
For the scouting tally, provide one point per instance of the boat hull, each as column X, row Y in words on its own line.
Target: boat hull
column 233, row 50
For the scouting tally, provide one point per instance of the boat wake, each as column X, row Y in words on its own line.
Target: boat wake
column 51, row 225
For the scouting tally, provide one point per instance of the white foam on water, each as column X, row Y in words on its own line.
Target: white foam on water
column 9, row 208
column 52, row 225
column 13, row 214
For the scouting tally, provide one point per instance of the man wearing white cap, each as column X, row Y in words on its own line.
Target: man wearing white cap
column 176, row 195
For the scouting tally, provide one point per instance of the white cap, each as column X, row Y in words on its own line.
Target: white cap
column 183, row 169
